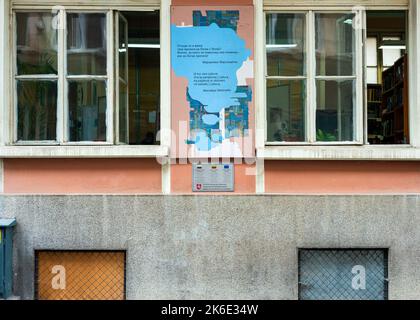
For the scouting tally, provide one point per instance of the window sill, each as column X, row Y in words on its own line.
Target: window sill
column 378, row 153
column 83, row 151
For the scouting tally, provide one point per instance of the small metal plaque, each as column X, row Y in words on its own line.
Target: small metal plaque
column 213, row 177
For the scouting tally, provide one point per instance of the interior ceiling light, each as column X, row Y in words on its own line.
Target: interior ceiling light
column 392, row 44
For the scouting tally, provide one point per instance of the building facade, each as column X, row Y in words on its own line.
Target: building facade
column 211, row 149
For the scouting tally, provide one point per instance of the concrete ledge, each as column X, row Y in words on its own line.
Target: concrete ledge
column 80, row 151
column 374, row 153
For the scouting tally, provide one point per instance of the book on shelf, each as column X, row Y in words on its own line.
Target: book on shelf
column 374, row 93
column 395, row 103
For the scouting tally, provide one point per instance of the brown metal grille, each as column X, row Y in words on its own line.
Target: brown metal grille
column 80, row 275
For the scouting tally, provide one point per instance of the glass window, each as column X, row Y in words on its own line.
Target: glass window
column 122, row 90
column 123, row 113
column 286, row 45
column 143, row 77
column 334, row 113
column 87, row 110
column 36, row 77
column 87, row 96
column 372, row 60
column 389, row 54
column 335, row 52
column 387, row 94
column 36, row 43
column 286, row 81
column 335, row 49
column 296, row 112
column 286, row 110
column 70, row 101
column 37, row 110
column 86, row 44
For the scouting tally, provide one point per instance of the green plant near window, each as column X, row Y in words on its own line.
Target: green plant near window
column 325, row 136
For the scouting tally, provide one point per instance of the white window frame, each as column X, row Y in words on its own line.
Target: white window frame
column 119, row 79
column 36, row 77
column 9, row 149
column 409, row 152
column 286, row 152
column 62, row 136
column 108, row 78
column 311, row 78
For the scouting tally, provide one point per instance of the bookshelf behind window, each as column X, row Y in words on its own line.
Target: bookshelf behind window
column 374, row 103
column 394, row 107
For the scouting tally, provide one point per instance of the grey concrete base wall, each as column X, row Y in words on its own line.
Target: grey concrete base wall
column 213, row 247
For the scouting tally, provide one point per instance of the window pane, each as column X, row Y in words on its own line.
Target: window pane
column 144, row 76
column 123, row 113
column 334, row 114
column 37, row 110
column 87, row 110
column 390, row 56
column 86, row 44
column 335, row 47
column 36, row 43
column 122, row 48
column 372, row 75
column 285, row 44
column 371, row 52
column 286, row 110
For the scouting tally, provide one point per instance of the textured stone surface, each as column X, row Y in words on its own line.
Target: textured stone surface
column 209, row 247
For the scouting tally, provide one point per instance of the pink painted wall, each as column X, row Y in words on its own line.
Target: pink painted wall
column 211, row 2
column 342, row 177
column 181, row 179
column 82, row 176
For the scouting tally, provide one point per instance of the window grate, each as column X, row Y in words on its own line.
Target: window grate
column 80, row 275
column 344, row 274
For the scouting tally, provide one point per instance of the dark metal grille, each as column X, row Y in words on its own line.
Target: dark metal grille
column 351, row 274
column 80, row 275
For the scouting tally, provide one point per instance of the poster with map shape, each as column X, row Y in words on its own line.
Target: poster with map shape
column 212, row 80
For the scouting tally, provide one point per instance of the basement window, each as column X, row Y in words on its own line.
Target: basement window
column 343, row 274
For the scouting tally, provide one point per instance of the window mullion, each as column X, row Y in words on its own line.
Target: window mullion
column 14, row 116
column 86, row 77
column 264, row 93
column 343, row 78
column 311, row 85
column 63, row 93
column 117, row 76
column 37, row 77
column 110, row 72
column 286, row 77
column 360, row 110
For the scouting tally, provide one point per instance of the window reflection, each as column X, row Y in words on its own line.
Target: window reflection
column 86, row 44
column 143, row 76
column 286, row 44
column 37, row 110
column 36, row 43
column 87, row 110
column 335, row 44
column 286, row 110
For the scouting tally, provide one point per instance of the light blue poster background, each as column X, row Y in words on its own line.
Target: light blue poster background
column 209, row 58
